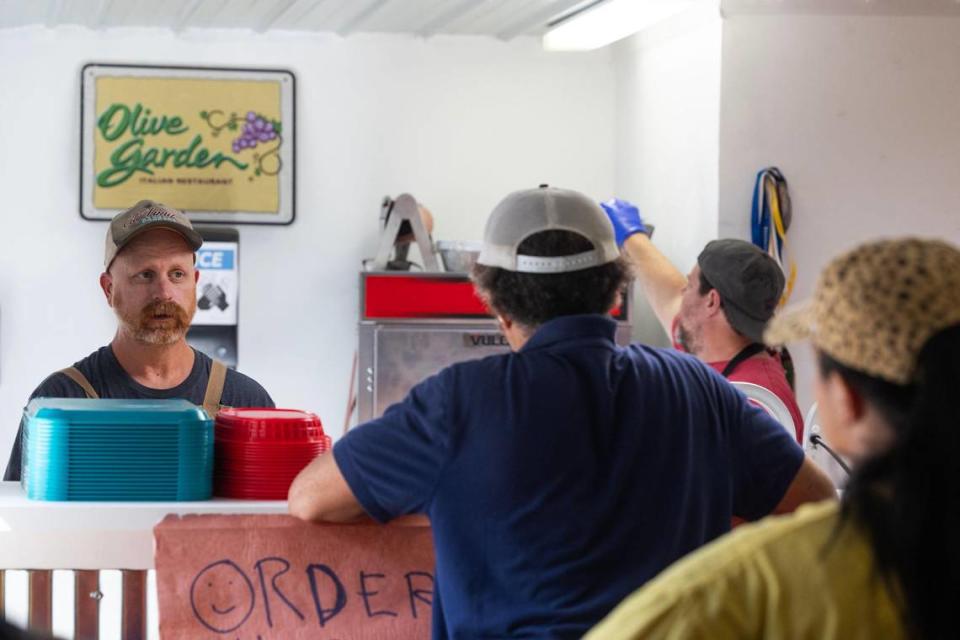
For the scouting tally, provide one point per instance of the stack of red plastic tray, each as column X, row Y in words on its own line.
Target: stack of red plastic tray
column 258, row 452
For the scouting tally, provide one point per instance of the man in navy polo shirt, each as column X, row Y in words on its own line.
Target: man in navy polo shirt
column 560, row 477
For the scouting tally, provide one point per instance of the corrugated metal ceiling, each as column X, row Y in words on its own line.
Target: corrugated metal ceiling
column 504, row 19
column 501, row 18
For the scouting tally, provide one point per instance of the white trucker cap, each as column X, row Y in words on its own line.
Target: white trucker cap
column 524, row 213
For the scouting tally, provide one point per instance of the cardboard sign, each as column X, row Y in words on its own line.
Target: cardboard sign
column 272, row 576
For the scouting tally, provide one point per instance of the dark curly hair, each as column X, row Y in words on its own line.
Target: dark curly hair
column 531, row 299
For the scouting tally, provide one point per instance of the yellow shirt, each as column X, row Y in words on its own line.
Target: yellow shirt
column 783, row 577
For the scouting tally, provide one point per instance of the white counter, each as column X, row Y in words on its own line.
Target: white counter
column 94, row 535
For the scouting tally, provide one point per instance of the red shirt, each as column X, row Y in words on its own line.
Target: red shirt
column 763, row 369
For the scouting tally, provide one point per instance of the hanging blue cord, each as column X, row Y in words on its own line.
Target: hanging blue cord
column 771, row 215
column 761, row 221
column 760, row 214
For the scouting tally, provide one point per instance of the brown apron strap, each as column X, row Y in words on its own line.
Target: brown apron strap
column 211, row 400
column 74, row 374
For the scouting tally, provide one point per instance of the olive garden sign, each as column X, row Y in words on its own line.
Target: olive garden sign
column 217, row 143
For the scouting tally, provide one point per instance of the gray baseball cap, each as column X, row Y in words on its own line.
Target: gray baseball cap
column 748, row 280
column 142, row 217
column 524, row 213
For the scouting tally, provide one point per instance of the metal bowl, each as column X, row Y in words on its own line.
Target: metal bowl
column 458, row 257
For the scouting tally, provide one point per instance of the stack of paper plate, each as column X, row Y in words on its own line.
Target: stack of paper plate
column 136, row 450
column 260, row 451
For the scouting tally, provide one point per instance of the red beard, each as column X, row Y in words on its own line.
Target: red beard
column 161, row 323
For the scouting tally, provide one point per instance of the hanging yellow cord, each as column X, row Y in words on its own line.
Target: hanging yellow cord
column 773, row 197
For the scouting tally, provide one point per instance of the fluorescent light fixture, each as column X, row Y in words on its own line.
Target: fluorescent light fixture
column 610, row 21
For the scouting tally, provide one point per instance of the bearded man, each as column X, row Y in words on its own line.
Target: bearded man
column 150, row 281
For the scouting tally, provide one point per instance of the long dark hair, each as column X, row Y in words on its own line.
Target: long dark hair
column 907, row 499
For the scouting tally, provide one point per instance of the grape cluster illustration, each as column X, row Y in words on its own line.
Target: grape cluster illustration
column 256, row 129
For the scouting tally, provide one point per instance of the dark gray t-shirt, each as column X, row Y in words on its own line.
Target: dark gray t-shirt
column 110, row 380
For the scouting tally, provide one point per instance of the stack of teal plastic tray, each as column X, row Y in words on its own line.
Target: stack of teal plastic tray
column 131, row 450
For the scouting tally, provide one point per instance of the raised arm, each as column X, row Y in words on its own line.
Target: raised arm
column 662, row 283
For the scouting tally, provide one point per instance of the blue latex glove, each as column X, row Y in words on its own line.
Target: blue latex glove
column 625, row 217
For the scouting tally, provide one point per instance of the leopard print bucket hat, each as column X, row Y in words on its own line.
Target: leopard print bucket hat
column 875, row 307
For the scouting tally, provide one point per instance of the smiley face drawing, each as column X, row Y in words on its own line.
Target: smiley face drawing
column 222, row 596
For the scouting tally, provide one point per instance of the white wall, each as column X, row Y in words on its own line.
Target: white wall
column 667, row 142
column 860, row 113
column 457, row 121
column 857, row 111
